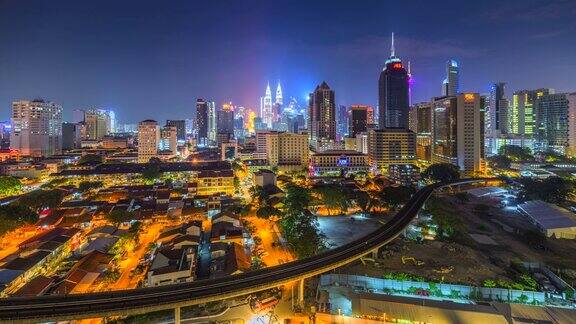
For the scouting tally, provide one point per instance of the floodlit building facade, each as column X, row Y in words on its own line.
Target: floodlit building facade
column 36, row 127
column 148, row 140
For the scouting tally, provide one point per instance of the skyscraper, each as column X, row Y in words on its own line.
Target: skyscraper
column 212, row 122
column 202, row 122
column 97, row 123
column 266, row 107
column 393, row 97
column 358, row 119
column 458, row 132
column 556, row 121
column 497, row 119
column 226, row 120
column 148, row 140
column 278, row 99
column 342, row 121
column 522, row 115
column 180, row 128
column 322, row 117
column 451, row 85
column 36, row 127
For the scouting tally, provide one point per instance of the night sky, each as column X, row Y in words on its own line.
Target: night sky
column 149, row 59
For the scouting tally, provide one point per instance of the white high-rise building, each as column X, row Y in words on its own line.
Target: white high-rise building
column 36, row 127
column 212, row 122
column 278, row 98
column 451, row 85
column 267, row 114
column 148, row 140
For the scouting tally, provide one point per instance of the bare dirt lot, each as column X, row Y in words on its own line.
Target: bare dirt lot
column 468, row 260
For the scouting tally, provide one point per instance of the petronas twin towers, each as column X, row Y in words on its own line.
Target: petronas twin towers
column 269, row 112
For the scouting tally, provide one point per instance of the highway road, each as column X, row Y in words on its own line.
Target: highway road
column 156, row 298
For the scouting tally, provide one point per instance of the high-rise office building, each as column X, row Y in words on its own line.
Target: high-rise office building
column 451, row 85
column 180, row 128
column 458, row 132
column 522, row 115
column 97, row 123
column 148, row 140
column 393, row 96
column 556, row 121
column 202, row 122
column 225, row 121
column 421, row 124
column 212, row 122
column 266, row 107
column 322, row 117
column 497, row 120
column 71, row 136
column 358, row 119
column 391, row 146
column 36, row 127
column 169, row 139
column 342, row 121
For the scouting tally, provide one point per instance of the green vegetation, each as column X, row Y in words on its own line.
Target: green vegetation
column 394, row 196
column 89, row 185
column 516, row 153
column 14, row 216
column 500, row 161
column 402, row 276
column 90, row 158
column 41, row 199
column 441, row 172
column 553, row 190
column 119, row 216
column 449, row 224
column 333, row 197
column 151, row 172
column 9, row 186
column 54, row 183
column 299, row 225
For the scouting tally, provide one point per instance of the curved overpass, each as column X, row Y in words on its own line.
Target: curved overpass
column 144, row 300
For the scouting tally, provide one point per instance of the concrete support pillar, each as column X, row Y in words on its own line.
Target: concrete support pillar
column 177, row 315
column 301, row 292
column 375, row 254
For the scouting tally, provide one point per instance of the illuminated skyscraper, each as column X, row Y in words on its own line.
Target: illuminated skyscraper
column 451, row 85
column 266, row 113
column 393, row 96
column 497, row 119
column 148, row 140
column 202, row 122
column 458, row 132
column 212, row 122
column 358, row 120
column 322, row 117
column 36, row 127
column 98, row 123
column 278, row 98
column 522, row 115
column 556, row 121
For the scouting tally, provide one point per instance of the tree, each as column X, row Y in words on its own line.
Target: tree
column 88, row 185
column 449, row 225
column 500, row 161
column 151, row 172
column 363, row 201
column 516, row 152
column 552, row 189
column 89, row 159
column 119, row 216
column 441, row 172
column 333, row 197
column 9, row 186
column 395, row 196
column 41, row 199
column 14, row 216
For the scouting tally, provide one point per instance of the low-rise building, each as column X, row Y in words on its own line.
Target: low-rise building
column 336, row 162
column 264, row 178
column 391, row 146
column 228, row 259
column 552, row 220
column 172, row 265
column 215, row 181
column 404, row 174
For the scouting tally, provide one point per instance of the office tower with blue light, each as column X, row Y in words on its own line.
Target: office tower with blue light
column 451, row 84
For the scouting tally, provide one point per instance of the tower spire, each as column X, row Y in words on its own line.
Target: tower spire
column 392, row 51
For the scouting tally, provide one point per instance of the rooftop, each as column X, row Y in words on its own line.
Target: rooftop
column 547, row 215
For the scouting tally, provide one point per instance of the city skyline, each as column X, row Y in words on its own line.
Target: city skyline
column 150, row 67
